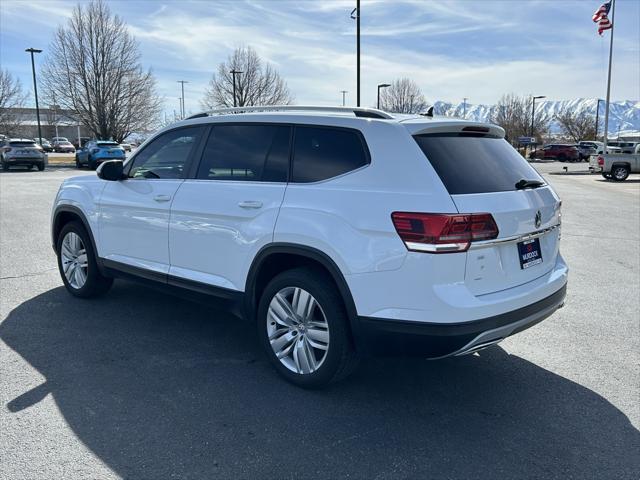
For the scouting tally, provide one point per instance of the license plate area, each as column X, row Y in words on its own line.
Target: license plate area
column 530, row 253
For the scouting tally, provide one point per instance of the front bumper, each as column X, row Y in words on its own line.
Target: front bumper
column 437, row 340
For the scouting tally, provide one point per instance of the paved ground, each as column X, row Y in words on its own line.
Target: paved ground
column 146, row 386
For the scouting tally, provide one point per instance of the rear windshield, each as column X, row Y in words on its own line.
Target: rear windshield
column 108, row 144
column 22, row 144
column 472, row 164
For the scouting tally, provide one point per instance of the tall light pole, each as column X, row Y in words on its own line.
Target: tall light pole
column 597, row 118
column 235, row 72
column 343, row 92
column 35, row 90
column 355, row 14
column 464, row 107
column 533, row 109
column 382, row 85
column 182, row 82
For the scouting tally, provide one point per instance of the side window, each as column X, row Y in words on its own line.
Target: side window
column 322, row 152
column 167, row 155
column 246, row 153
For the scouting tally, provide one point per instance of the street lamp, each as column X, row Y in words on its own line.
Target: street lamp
column 235, row 72
column 343, row 92
column 533, row 109
column 182, row 82
column 382, row 85
column 355, row 15
column 597, row 118
column 35, row 90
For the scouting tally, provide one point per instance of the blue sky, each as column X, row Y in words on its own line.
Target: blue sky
column 452, row 49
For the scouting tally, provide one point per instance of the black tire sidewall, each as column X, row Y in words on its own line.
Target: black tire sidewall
column 96, row 283
column 323, row 290
column 626, row 170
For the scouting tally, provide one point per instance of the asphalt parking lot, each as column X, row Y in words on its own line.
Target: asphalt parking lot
column 147, row 386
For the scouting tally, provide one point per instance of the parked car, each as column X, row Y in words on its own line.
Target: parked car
column 80, row 142
column 588, row 148
column 22, row 152
column 97, row 151
column 46, row 145
column 307, row 221
column 126, row 147
column 59, row 139
column 624, row 146
column 62, row 146
column 617, row 166
column 557, row 151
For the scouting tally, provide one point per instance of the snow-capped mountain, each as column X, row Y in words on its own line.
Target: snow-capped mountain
column 623, row 115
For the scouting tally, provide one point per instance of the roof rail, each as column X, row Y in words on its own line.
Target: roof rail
column 357, row 111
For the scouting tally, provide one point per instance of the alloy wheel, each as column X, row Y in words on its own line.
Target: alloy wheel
column 73, row 256
column 298, row 330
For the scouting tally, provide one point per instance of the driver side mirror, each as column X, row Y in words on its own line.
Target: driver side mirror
column 112, row 170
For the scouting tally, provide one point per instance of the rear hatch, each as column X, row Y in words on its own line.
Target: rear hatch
column 484, row 174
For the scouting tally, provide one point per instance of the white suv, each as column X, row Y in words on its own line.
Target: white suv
column 340, row 232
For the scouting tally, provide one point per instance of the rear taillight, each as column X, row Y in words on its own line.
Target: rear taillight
column 601, row 161
column 441, row 232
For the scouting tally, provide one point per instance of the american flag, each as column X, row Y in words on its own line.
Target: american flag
column 601, row 17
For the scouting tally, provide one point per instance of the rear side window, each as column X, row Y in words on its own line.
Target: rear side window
column 22, row 144
column 246, row 153
column 469, row 164
column 321, row 153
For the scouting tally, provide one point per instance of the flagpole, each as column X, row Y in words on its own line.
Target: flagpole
column 606, row 105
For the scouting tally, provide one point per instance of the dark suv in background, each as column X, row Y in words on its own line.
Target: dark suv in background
column 557, row 151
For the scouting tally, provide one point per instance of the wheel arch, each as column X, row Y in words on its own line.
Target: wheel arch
column 69, row 213
column 278, row 257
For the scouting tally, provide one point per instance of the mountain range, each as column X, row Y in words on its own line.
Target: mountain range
column 624, row 116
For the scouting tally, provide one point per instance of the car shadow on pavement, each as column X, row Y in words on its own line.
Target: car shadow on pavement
column 158, row 387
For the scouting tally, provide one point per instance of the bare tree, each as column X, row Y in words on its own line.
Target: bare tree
column 11, row 98
column 513, row 113
column 93, row 68
column 403, row 96
column 577, row 125
column 258, row 84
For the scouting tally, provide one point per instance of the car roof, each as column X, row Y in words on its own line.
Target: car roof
column 346, row 116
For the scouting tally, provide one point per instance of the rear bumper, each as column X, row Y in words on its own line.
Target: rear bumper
column 24, row 160
column 437, row 340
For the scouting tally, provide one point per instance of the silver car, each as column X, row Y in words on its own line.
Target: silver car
column 22, row 152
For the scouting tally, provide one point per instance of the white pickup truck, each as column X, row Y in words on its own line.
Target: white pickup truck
column 616, row 166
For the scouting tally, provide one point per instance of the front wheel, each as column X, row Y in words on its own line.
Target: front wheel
column 77, row 263
column 40, row 166
column 303, row 326
column 620, row 173
column 78, row 165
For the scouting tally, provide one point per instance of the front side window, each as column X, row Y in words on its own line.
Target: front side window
column 167, row 155
column 246, row 153
column 323, row 152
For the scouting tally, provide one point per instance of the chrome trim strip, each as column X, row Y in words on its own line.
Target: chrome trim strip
column 435, row 248
column 515, row 238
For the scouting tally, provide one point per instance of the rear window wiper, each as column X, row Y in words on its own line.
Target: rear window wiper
column 522, row 184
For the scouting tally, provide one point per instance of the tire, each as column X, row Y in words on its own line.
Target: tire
column 330, row 322
column 620, row 173
column 89, row 282
column 5, row 166
column 78, row 165
column 40, row 166
column 92, row 164
column 562, row 157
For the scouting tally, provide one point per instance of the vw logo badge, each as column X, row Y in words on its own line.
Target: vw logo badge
column 538, row 219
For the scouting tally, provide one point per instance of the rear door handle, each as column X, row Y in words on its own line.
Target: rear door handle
column 250, row 204
column 162, row 198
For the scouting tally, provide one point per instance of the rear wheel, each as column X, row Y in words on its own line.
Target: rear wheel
column 562, row 157
column 5, row 166
column 620, row 173
column 77, row 263
column 78, row 165
column 303, row 326
column 40, row 166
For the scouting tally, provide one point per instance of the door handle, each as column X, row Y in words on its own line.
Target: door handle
column 162, row 198
column 250, row 204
